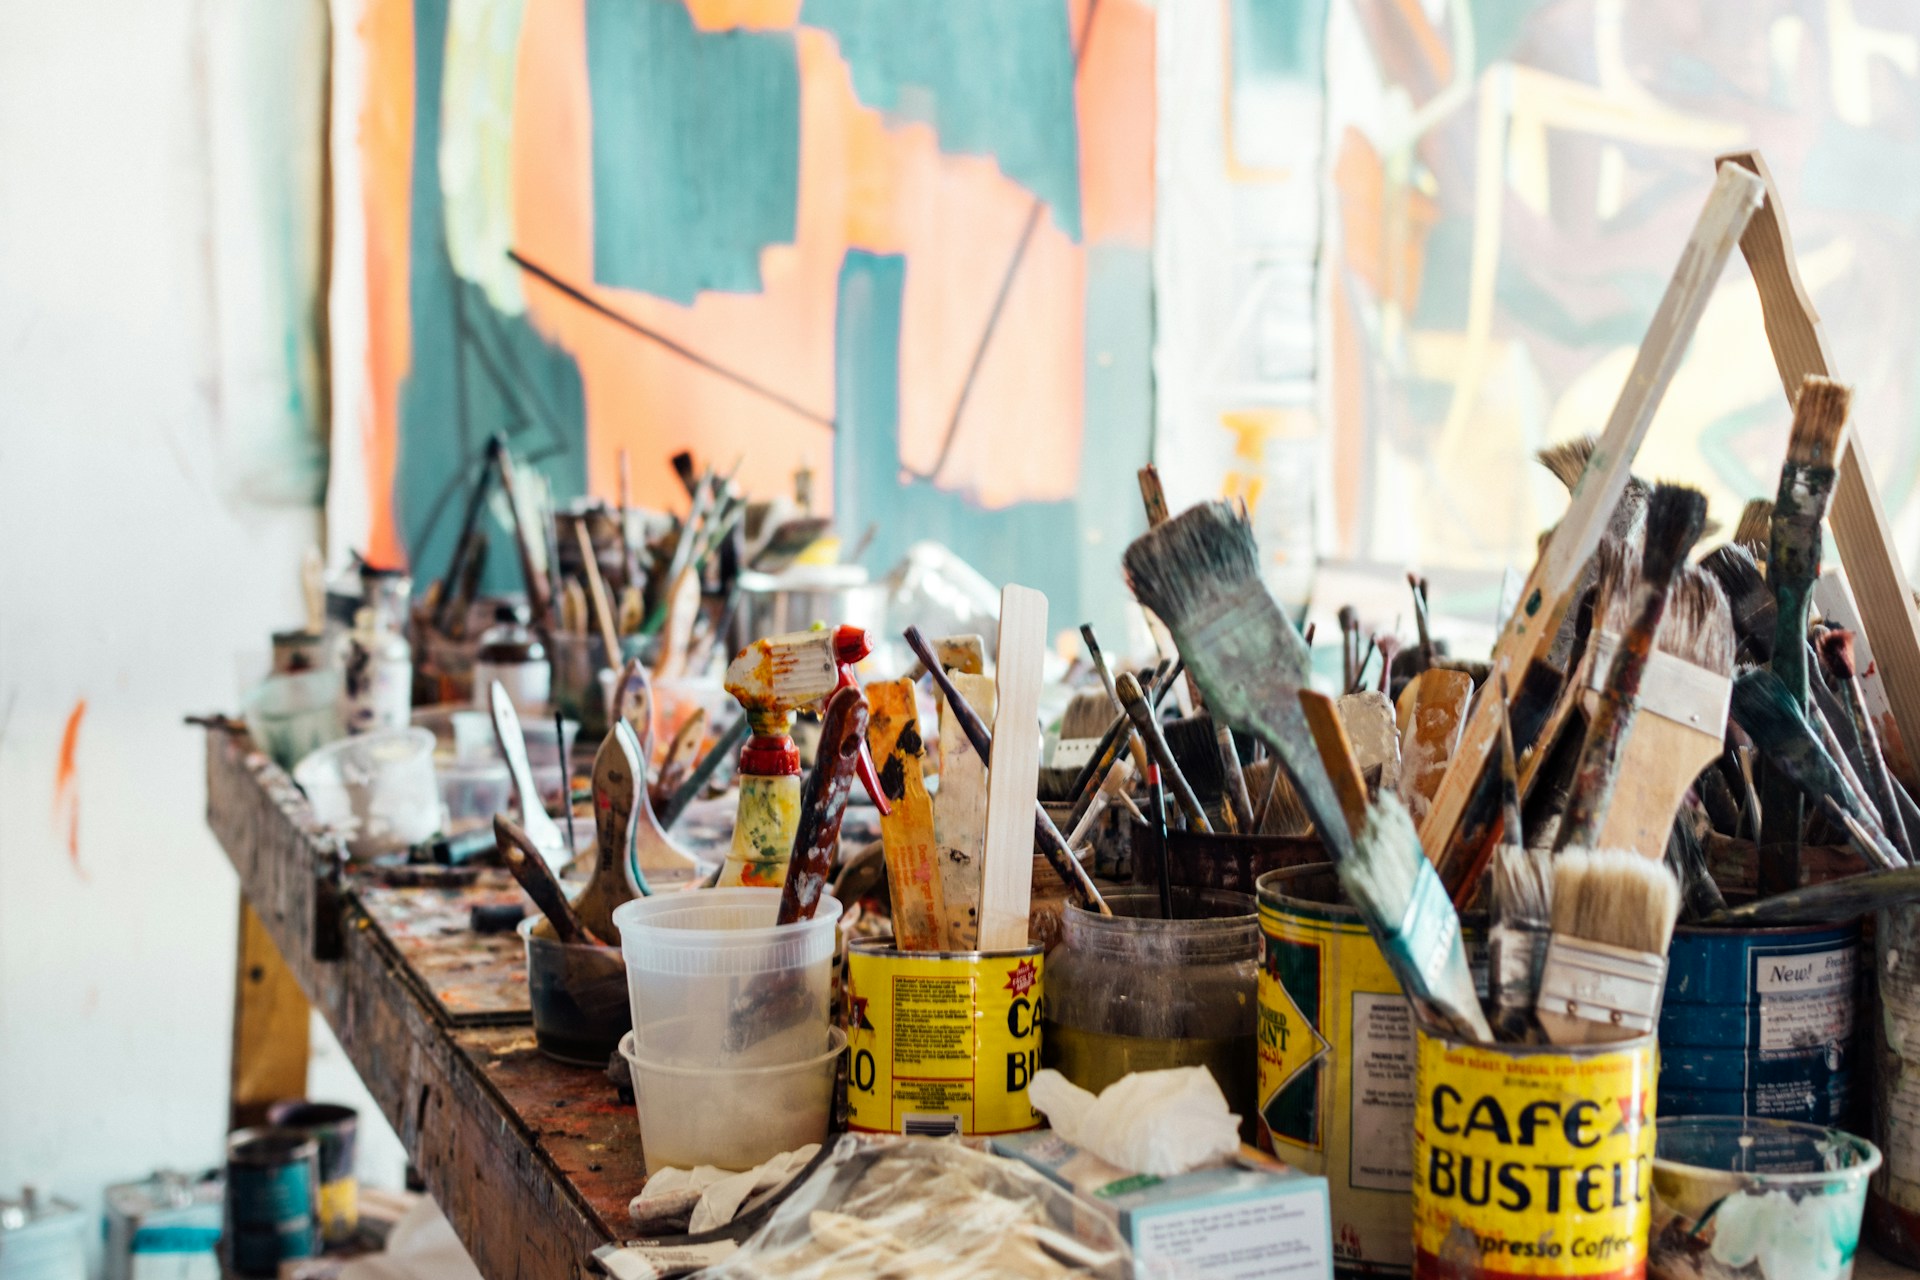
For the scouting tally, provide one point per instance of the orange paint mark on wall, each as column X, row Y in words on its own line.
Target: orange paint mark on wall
column 66, row 785
column 1115, row 95
column 1361, row 180
column 386, row 158
column 760, row 15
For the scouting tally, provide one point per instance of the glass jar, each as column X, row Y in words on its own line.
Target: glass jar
column 1135, row 992
column 376, row 662
column 510, row 653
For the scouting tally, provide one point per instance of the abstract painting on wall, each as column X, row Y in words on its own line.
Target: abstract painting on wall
column 903, row 245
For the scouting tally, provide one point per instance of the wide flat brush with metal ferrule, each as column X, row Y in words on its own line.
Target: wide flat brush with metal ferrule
column 1674, row 516
column 1200, row 572
column 1390, row 881
column 1606, row 965
column 1793, row 565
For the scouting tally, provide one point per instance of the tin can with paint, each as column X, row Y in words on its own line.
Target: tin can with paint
column 273, row 1182
column 1336, row 1055
column 1893, row 1196
column 1760, row 1022
column 336, row 1129
column 1532, row 1160
column 941, row 1042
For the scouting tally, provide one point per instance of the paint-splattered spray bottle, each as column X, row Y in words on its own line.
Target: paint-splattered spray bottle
column 773, row 678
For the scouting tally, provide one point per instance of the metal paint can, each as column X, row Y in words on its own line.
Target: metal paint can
column 273, row 1181
column 1532, row 1160
column 336, row 1128
column 1760, row 1022
column 1336, row 1056
column 1893, row 1196
column 941, row 1042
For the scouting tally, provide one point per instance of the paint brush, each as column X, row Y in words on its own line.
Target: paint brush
column 1390, row 881
column 1053, row 846
column 1836, row 652
column 1754, row 529
column 1687, row 859
column 1280, row 812
column 1147, row 725
column 1674, row 517
column 1748, row 598
column 1844, row 899
column 1157, row 819
column 529, row 866
column 1119, row 737
column 1239, row 802
column 1681, row 728
column 1099, row 661
column 1111, row 791
column 633, row 703
column 1606, row 964
column 906, row 831
column 530, row 531
column 469, row 540
column 1521, row 897
column 1200, row 572
column 1551, row 587
column 823, row 802
column 1768, row 712
column 597, row 590
column 1195, row 747
column 617, row 775
column 1793, row 565
column 1421, row 622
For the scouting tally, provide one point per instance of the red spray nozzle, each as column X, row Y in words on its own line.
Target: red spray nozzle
column 850, row 645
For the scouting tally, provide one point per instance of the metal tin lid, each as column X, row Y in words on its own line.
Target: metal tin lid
column 33, row 1209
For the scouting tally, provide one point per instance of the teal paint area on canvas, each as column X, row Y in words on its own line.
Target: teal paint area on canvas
column 992, row 77
column 1067, row 549
column 474, row 370
column 1278, row 39
column 696, row 149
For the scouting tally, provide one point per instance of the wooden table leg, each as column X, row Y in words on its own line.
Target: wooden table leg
column 271, row 1019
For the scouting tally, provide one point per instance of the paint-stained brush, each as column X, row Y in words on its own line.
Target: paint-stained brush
column 617, row 775
column 1606, row 965
column 1147, row 725
column 1279, row 812
column 1674, row 517
column 1196, row 748
column 1521, row 907
column 1754, row 529
column 1200, row 572
column 1749, row 599
column 1836, row 652
column 1687, row 859
column 1112, row 791
column 1391, row 882
column 1771, row 716
column 823, row 801
column 906, row 832
column 1844, row 899
column 529, row 866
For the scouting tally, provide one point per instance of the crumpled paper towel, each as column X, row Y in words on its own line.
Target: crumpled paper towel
column 1157, row 1122
column 712, row 1196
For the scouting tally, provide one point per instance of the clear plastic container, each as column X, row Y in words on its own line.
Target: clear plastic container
column 715, row 982
column 462, row 733
column 734, row 1117
column 579, row 997
column 377, row 790
column 472, row 791
column 292, row 716
column 1746, row 1198
column 1134, row 992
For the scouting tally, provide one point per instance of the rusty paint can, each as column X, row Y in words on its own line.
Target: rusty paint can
column 1893, row 1196
column 272, row 1200
column 941, row 1042
column 1336, row 1054
column 1532, row 1160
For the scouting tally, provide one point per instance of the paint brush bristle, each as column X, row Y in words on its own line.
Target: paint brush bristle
column 1615, row 896
column 1086, row 716
column 1749, row 597
column 1755, row 525
column 1276, row 805
column 1568, row 459
column 1819, row 422
column 1196, row 750
column 1675, row 516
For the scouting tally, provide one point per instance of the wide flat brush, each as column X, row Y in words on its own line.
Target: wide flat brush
column 1200, row 572
column 1674, row 516
column 1389, row 879
column 1754, row 529
column 1793, row 565
column 1147, row 725
column 1771, row 716
column 1606, row 965
column 1550, row 588
column 1196, row 749
column 1748, row 598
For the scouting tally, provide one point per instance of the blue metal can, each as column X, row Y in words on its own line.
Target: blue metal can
column 1760, row 1022
column 273, row 1182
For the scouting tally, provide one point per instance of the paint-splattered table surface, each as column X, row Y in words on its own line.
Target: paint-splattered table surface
column 533, row 1162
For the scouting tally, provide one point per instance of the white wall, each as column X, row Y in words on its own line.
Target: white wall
column 157, row 489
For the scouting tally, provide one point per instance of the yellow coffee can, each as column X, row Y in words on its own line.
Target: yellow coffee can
column 941, row 1042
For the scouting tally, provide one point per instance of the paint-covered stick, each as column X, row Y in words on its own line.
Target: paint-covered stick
column 906, row 831
column 597, row 589
column 823, row 802
column 617, row 775
column 1053, row 846
column 524, row 860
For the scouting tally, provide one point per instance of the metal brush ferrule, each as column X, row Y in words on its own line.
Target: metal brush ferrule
column 1602, row 983
column 1515, row 956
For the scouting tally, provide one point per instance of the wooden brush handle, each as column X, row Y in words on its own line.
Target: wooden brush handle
column 823, row 802
column 1052, row 844
column 1336, row 753
column 523, row 859
column 633, row 702
column 597, row 587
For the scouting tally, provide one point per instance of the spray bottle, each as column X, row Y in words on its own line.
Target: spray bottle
column 771, row 679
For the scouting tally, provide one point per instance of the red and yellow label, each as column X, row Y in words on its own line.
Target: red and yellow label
column 1532, row 1163
column 942, row 1043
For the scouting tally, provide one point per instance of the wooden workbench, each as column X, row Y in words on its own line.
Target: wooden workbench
column 533, row 1162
